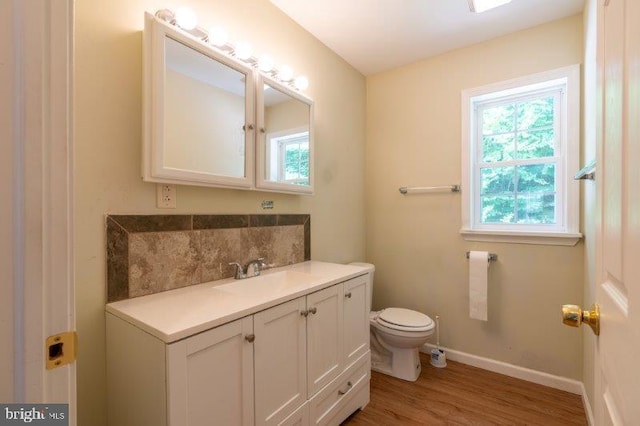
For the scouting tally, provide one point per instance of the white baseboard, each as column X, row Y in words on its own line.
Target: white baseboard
column 512, row 370
column 587, row 407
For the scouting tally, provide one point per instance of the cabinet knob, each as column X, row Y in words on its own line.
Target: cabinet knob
column 263, row 130
column 304, row 313
column 348, row 295
column 250, row 338
column 247, row 126
column 342, row 392
column 313, row 310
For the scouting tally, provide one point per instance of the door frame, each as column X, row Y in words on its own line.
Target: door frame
column 39, row 107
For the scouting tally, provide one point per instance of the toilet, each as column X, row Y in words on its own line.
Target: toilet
column 397, row 334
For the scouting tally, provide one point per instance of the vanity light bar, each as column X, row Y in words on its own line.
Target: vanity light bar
column 185, row 19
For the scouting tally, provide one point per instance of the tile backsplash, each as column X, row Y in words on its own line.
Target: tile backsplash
column 148, row 254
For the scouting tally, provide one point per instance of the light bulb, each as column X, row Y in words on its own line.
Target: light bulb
column 166, row 15
column 265, row 63
column 301, row 82
column 243, row 50
column 186, row 18
column 218, row 36
column 285, row 73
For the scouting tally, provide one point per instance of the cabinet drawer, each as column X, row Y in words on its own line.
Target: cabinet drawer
column 337, row 393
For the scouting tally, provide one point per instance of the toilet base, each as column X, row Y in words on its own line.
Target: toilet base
column 402, row 363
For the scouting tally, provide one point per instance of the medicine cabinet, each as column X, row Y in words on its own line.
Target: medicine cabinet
column 211, row 119
column 284, row 139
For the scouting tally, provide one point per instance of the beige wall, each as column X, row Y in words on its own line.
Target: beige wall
column 413, row 139
column 108, row 73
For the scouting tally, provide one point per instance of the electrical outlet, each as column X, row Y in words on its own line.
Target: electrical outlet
column 166, row 196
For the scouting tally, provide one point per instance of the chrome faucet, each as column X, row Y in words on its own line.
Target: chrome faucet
column 251, row 269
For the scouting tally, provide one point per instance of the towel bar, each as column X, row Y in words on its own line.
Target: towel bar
column 422, row 189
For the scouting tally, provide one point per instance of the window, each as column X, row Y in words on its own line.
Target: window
column 289, row 157
column 520, row 146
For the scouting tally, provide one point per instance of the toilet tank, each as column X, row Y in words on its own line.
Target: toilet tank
column 370, row 268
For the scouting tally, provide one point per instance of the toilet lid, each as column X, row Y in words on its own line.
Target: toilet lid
column 405, row 319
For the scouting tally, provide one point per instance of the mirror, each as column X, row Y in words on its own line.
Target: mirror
column 285, row 142
column 204, row 111
column 200, row 115
column 201, row 102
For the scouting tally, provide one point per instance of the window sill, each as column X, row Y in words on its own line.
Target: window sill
column 543, row 238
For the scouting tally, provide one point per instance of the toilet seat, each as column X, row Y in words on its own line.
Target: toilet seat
column 404, row 320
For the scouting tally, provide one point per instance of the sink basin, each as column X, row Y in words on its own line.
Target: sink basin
column 269, row 284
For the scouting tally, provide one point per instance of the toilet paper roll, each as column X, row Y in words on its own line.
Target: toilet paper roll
column 478, row 284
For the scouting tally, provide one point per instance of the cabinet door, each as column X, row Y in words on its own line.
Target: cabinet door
column 300, row 417
column 210, row 377
column 324, row 337
column 356, row 319
column 280, row 357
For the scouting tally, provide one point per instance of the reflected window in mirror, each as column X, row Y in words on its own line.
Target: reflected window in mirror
column 288, row 157
column 286, row 147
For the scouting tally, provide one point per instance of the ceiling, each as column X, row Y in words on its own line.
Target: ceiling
column 377, row 35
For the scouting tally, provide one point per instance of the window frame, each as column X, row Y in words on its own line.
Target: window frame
column 566, row 230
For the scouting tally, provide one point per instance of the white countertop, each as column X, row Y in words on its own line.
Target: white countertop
column 176, row 314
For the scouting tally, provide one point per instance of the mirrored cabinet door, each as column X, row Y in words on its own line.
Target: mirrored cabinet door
column 284, row 139
column 199, row 112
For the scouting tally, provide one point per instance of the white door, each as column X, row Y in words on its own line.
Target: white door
column 324, row 337
column 617, row 372
column 279, row 359
column 36, row 186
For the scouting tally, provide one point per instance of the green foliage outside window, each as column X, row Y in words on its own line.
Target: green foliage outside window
column 296, row 163
column 520, row 190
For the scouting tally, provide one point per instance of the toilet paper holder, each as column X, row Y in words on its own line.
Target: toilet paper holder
column 492, row 256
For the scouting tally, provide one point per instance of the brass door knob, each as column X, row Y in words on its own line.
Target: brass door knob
column 573, row 316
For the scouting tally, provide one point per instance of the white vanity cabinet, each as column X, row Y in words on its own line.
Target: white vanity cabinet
column 217, row 374
column 280, row 350
column 212, row 372
column 324, row 337
column 298, row 350
column 339, row 368
column 356, row 320
column 304, row 361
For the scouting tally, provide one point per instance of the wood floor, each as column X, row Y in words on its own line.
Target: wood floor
column 463, row 395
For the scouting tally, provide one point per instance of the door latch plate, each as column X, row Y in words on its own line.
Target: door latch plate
column 60, row 349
